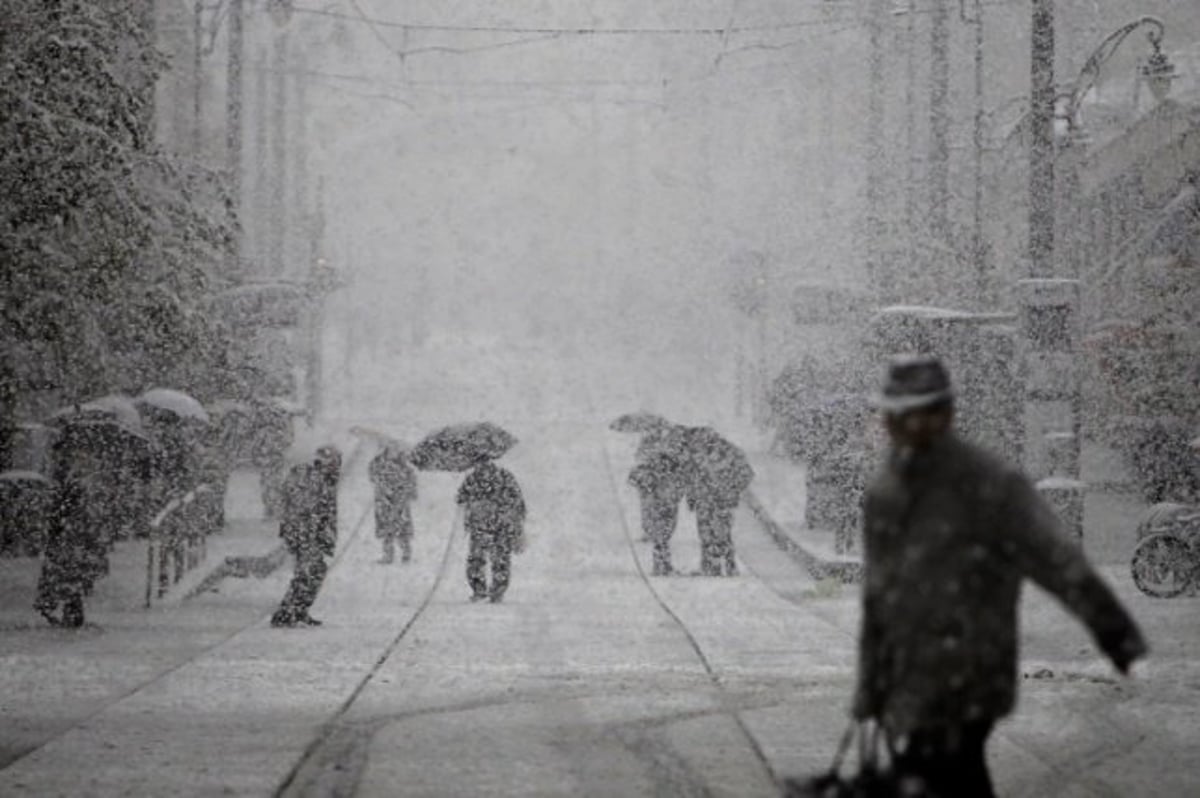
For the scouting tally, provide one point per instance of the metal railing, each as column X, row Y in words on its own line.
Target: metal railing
column 178, row 538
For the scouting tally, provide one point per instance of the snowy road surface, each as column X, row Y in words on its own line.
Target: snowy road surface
column 590, row 679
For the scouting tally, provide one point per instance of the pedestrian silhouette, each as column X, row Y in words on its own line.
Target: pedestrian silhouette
column 494, row 517
column 309, row 530
column 395, row 484
column 659, row 478
column 951, row 533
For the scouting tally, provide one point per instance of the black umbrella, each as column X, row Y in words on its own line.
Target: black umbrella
column 461, row 446
column 108, row 424
column 719, row 469
column 641, row 422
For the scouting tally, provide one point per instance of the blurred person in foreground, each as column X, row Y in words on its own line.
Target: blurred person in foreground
column 309, row 530
column 950, row 534
column 395, row 484
column 494, row 517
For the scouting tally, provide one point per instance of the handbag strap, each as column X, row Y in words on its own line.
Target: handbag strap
column 843, row 748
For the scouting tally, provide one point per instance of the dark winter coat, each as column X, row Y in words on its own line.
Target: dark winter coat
column 949, row 537
column 659, row 476
column 309, row 516
column 395, row 484
column 75, row 548
column 492, row 501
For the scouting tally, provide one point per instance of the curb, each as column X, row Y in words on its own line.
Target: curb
column 844, row 571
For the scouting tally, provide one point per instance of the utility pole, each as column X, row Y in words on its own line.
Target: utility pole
column 939, row 121
column 978, row 247
column 1041, row 141
column 875, row 153
column 1049, row 308
column 233, row 127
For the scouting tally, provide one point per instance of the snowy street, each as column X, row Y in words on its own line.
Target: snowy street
column 591, row 678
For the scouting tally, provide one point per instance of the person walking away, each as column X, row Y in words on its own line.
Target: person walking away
column 494, row 517
column 659, row 482
column 395, row 484
column 75, row 553
column 951, row 532
column 714, row 488
column 309, row 530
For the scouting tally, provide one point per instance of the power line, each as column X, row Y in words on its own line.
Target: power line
column 562, row 31
column 844, row 15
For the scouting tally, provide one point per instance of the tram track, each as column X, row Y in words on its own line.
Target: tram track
column 331, row 743
column 713, row 676
column 161, row 676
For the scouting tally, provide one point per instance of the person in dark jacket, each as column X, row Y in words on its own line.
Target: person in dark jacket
column 395, row 484
column 659, row 479
column 75, row 553
column 494, row 517
column 951, row 533
column 716, row 479
column 309, row 530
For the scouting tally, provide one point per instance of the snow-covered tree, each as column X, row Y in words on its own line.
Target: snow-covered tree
column 107, row 243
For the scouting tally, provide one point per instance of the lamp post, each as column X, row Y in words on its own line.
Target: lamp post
column 1049, row 308
column 1157, row 70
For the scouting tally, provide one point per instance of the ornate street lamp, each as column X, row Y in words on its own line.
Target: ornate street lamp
column 1157, row 71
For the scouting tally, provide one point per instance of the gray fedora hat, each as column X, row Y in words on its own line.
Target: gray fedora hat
column 914, row 381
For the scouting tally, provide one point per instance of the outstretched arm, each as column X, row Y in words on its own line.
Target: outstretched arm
column 1043, row 552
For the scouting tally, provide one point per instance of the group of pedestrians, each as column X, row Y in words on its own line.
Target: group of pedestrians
column 490, row 498
column 950, row 534
column 673, row 464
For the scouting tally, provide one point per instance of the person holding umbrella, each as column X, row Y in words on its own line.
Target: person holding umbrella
column 395, row 489
column 718, row 474
column 494, row 517
column 491, row 499
column 75, row 552
column 309, row 530
column 659, row 475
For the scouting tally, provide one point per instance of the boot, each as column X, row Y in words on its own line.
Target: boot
column 73, row 612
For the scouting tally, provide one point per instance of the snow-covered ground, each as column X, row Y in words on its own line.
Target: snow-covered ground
column 589, row 679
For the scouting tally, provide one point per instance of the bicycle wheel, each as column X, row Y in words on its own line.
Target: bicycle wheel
column 1162, row 565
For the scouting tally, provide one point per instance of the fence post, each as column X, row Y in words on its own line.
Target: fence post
column 149, row 568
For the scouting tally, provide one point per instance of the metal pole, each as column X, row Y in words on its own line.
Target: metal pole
column 875, row 163
column 977, row 236
column 939, row 121
column 1041, row 141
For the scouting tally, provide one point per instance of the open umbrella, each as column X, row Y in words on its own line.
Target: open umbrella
column 461, row 446
column 719, row 468
column 175, row 402
column 640, row 422
column 114, row 410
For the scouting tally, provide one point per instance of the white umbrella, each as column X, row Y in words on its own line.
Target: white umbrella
column 176, row 402
column 115, row 407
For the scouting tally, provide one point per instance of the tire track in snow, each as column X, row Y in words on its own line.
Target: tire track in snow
column 328, row 746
